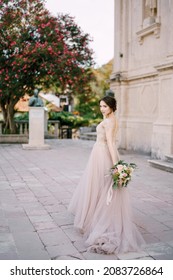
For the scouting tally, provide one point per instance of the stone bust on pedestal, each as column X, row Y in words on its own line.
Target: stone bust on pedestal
column 35, row 101
column 36, row 123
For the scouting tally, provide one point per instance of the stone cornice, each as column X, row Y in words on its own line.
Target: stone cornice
column 164, row 66
column 113, row 77
column 142, row 76
column 119, row 76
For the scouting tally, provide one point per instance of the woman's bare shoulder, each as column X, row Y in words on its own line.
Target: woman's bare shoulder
column 110, row 122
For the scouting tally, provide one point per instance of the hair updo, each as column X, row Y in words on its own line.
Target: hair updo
column 110, row 101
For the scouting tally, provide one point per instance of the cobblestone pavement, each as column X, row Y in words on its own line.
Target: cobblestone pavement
column 35, row 189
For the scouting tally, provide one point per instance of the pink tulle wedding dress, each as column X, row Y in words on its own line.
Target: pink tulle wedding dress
column 105, row 220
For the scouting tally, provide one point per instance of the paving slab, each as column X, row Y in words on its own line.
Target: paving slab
column 62, row 249
column 53, row 237
column 36, row 187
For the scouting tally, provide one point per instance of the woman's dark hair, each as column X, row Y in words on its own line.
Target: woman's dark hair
column 110, row 101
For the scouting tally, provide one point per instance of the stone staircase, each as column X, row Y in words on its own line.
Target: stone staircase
column 88, row 133
column 88, row 136
column 166, row 165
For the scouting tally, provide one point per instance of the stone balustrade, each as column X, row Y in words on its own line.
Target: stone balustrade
column 52, row 130
column 22, row 127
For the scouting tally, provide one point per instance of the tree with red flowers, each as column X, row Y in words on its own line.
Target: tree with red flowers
column 39, row 50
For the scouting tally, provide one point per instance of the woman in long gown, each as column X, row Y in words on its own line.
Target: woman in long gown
column 107, row 225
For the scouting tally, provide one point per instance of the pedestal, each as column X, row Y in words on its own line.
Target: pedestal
column 36, row 129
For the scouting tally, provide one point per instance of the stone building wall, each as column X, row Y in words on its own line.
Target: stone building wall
column 142, row 77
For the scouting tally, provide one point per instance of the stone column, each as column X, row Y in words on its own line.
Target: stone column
column 36, row 129
column 124, row 41
column 120, row 35
column 117, row 35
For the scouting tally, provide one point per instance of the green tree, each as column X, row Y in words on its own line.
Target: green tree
column 38, row 49
column 102, row 79
column 88, row 103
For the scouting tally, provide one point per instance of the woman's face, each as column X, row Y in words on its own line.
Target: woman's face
column 105, row 109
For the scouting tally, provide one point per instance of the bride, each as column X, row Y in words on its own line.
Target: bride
column 107, row 227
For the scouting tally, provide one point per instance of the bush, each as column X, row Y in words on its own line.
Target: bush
column 22, row 117
column 69, row 119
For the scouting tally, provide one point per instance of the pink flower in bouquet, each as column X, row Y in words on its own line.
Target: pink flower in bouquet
column 121, row 173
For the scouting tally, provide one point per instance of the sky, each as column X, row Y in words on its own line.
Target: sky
column 95, row 17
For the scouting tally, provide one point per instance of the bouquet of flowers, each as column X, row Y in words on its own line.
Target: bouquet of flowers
column 121, row 173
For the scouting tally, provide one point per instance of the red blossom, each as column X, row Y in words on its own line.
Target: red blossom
column 39, row 49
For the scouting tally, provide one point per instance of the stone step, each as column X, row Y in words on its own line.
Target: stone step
column 161, row 164
column 88, row 136
column 169, row 158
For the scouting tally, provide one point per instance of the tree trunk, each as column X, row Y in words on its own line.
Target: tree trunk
column 8, row 115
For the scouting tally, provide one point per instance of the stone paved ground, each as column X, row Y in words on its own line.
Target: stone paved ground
column 35, row 189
